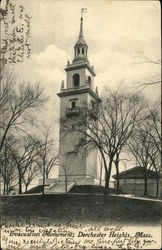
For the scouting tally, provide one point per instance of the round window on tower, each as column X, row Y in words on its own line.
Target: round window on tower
column 76, row 80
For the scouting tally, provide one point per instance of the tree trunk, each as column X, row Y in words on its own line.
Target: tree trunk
column 101, row 172
column 145, row 187
column 20, row 185
column 107, row 183
column 65, row 184
column 43, row 180
column 26, row 188
column 4, row 188
column 7, row 189
column 117, row 174
column 20, row 180
column 108, row 176
column 106, row 171
column 117, row 179
column 157, row 187
column 145, row 181
column 5, row 134
column 157, row 180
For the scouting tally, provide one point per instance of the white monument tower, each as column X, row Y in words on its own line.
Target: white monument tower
column 77, row 168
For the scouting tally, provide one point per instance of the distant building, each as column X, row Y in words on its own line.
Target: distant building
column 131, row 181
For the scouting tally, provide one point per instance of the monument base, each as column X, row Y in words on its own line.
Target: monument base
column 64, row 185
column 79, row 179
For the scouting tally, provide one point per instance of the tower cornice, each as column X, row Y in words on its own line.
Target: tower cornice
column 85, row 64
column 79, row 90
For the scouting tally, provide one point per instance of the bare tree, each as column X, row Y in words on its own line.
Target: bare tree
column 154, row 79
column 48, row 156
column 31, row 172
column 7, row 168
column 145, row 152
column 139, row 147
column 8, row 80
column 101, row 169
column 67, row 168
column 155, row 165
column 153, row 121
column 17, row 105
column 145, row 143
column 107, row 127
column 120, row 114
column 24, row 153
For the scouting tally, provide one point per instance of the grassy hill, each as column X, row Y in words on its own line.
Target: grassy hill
column 89, row 189
column 86, row 208
column 35, row 190
column 76, row 189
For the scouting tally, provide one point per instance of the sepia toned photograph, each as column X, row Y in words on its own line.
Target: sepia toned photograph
column 80, row 124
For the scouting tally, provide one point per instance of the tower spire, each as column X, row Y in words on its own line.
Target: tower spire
column 81, row 28
column 80, row 48
column 83, row 10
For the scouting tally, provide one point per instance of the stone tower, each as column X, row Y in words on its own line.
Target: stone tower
column 78, row 167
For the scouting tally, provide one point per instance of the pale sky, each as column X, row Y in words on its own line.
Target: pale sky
column 119, row 34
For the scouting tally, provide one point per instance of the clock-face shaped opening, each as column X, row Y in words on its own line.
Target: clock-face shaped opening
column 76, row 80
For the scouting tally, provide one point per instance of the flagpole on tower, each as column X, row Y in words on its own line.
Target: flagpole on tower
column 83, row 10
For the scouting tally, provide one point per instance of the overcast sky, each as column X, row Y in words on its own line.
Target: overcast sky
column 120, row 34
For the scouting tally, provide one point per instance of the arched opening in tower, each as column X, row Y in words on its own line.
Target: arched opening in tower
column 76, row 80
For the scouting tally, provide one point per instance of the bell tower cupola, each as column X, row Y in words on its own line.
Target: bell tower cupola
column 80, row 48
column 80, row 74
